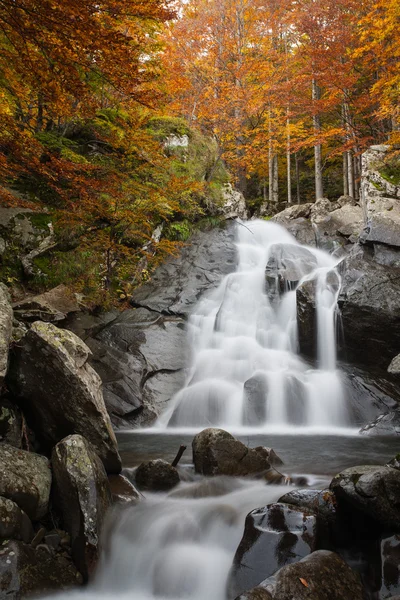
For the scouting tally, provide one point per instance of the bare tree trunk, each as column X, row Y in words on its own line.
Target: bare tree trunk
column 275, row 181
column 319, row 191
column 350, row 173
column 288, row 161
column 345, row 175
column 297, row 178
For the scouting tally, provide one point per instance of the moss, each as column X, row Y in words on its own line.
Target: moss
column 163, row 127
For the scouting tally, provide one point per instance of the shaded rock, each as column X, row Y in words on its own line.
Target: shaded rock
column 6, row 324
column 390, row 565
column 52, row 306
column 395, row 462
column 217, row 452
column 156, row 476
column 25, row 572
column 10, row 423
column 274, row 536
column 255, row 392
column 387, row 256
column 388, row 424
column 61, row 392
column 14, row 523
column 373, row 490
column 25, row 478
column 82, row 495
column 122, row 490
column 306, row 317
column 296, row 220
column 326, row 575
column 320, row 502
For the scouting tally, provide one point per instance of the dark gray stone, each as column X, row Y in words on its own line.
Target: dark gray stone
column 371, row 490
column 61, row 392
column 6, row 325
column 390, row 565
column 122, row 490
column 82, row 496
column 14, row 523
column 388, row 424
column 274, row 536
column 156, row 476
column 10, row 423
column 217, row 452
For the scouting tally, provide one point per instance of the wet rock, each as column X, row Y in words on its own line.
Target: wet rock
column 274, row 536
column 25, row 572
column 25, row 478
column 395, row 462
column 306, row 317
column 296, row 401
column 296, row 220
column 61, row 392
column 255, row 400
column 388, row 424
column 14, row 523
column 6, row 324
column 322, row 575
column 370, row 304
column 217, row 452
column 290, row 263
column 156, row 476
column 320, row 502
column 10, row 423
column 372, row 490
column 390, row 565
column 82, row 495
column 122, row 490
column 52, row 306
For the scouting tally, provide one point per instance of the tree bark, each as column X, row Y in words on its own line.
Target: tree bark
column 297, row 178
column 319, row 191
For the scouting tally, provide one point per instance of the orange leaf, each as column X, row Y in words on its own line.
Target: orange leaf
column 304, row 582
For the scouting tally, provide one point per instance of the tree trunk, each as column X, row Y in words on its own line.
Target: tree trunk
column 288, row 162
column 350, row 172
column 345, row 175
column 297, row 178
column 319, row 191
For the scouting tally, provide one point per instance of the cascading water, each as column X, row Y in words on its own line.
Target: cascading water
column 246, row 371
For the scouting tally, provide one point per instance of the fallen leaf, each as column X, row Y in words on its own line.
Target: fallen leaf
column 304, row 582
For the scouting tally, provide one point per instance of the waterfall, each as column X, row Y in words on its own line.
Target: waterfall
column 246, row 372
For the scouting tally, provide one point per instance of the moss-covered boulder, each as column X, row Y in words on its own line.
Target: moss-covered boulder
column 25, row 478
column 82, row 497
column 61, row 393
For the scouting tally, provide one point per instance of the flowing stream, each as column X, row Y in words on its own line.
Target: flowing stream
column 246, row 370
column 246, row 373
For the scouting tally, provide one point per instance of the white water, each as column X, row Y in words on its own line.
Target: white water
column 246, row 371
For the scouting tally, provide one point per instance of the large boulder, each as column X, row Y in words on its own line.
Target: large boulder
column 25, row 478
column 217, row 452
column 390, row 566
column 380, row 200
column 296, row 220
column 122, row 490
column 372, row 491
column 27, row 572
column 370, row 307
column 274, row 536
column 14, row 523
column 61, row 392
column 289, row 263
column 82, row 496
column 156, row 476
column 322, row 575
column 6, row 325
column 10, row 423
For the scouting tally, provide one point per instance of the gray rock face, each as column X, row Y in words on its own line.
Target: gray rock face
column 141, row 354
column 52, row 306
column 82, row 495
column 6, row 324
column 61, row 391
column 217, row 452
column 388, row 424
column 274, row 536
column 25, row 478
column 289, row 263
column 14, row 523
column 370, row 305
column 322, row 575
column 234, row 203
column 156, row 476
column 296, row 220
column 122, row 490
column 257, row 593
column 372, row 490
column 394, row 367
column 26, row 572
column 380, row 201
